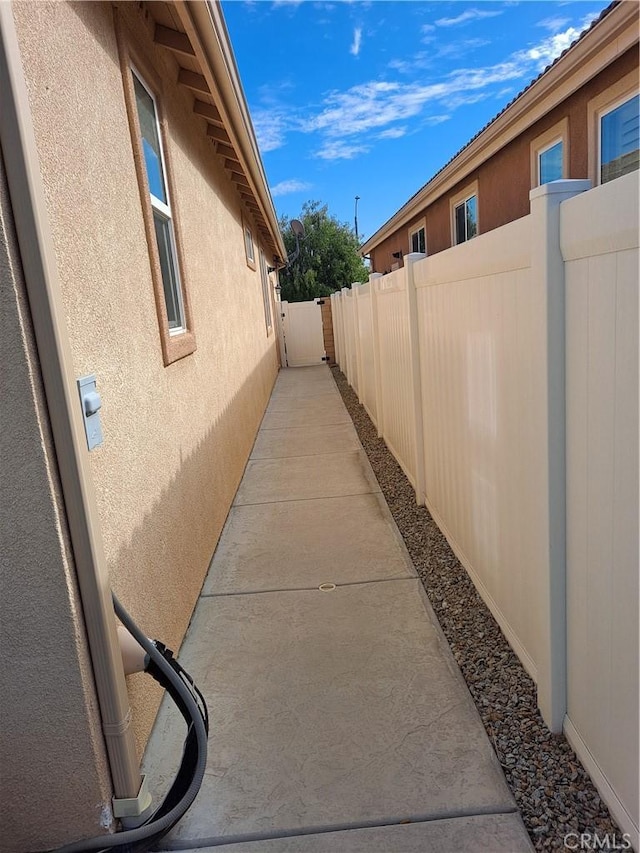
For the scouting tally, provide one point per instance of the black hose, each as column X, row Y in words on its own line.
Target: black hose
column 168, row 672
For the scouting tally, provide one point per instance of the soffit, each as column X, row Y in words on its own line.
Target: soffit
column 233, row 141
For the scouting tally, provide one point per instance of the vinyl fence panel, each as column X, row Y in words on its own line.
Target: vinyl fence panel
column 367, row 355
column 482, row 390
column 395, row 369
column 600, row 246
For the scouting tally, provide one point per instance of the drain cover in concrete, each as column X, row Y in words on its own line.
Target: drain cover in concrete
column 328, row 710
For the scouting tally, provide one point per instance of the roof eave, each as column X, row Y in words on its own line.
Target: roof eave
column 210, row 26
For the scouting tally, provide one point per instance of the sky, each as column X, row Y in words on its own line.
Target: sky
column 371, row 99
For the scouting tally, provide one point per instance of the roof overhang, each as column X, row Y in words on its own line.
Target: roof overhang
column 599, row 47
column 229, row 123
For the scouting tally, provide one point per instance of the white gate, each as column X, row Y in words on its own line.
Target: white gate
column 302, row 329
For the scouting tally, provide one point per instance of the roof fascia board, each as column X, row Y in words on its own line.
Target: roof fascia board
column 586, row 59
column 205, row 23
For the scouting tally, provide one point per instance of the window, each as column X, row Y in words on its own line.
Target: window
column 162, row 219
column 417, row 240
column 466, row 219
column 249, row 248
column 550, row 155
column 613, row 136
column 550, row 163
column 266, row 292
column 619, row 140
column 143, row 97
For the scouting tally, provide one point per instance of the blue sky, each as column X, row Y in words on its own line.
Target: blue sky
column 370, row 99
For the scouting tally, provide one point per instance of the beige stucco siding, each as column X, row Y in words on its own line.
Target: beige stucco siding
column 177, row 437
column 53, row 771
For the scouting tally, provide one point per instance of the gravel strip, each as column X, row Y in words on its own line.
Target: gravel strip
column 553, row 791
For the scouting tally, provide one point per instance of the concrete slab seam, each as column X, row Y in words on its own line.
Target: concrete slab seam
column 306, row 588
column 248, row 837
column 314, row 498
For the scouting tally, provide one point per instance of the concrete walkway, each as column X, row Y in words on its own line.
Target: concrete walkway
column 340, row 722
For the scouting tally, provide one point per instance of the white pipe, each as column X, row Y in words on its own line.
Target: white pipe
column 134, row 657
column 17, row 141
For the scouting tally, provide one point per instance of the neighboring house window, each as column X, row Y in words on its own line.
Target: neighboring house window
column 613, row 140
column 465, row 219
column 249, row 249
column 550, row 155
column 619, row 140
column 162, row 219
column 550, row 163
column 417, row 240
column 266, row 292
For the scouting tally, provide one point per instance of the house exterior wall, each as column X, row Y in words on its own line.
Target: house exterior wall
column 504, row 180
column 47, row 683
column 176, row 437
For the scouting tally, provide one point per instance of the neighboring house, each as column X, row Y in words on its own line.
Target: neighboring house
column 578, row 119
column 136, row 236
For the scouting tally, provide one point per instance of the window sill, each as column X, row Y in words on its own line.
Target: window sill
column 175, row 347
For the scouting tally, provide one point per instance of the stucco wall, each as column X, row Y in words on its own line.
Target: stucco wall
column 504, row 181
column 53, row 773
column 177, row 437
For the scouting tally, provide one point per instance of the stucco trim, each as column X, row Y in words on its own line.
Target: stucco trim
column 174, row 346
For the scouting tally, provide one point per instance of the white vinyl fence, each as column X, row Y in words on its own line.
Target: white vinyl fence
column 503, row 376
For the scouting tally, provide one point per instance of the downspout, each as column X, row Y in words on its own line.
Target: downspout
column 17, row 142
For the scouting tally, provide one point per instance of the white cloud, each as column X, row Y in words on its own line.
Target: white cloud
column 270, row 126
column 357, row 41
column 553, row 23
column 466, row 17
column 375, row 105
column 290, row 186
column 432, row 121
column 348, row 122
column 459, row 48
column 393, row 133
column 546, row 51
column 339, row 150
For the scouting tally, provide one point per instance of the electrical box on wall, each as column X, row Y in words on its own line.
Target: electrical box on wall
column 90, row 404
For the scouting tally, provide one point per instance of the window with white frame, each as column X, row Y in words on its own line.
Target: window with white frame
column 550, row 159
column 266, row 292
column 619, row 139
column 155, row 167
column 249, row 248
column 550, row 154
column 465, row 219
column 417, row 240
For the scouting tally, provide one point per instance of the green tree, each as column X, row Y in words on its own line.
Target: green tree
column 328, row 258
